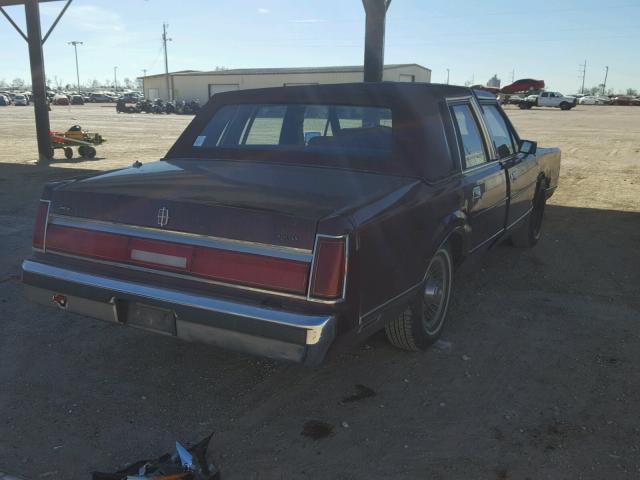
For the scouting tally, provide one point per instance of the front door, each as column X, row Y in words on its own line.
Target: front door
column 521, row 170
column 485, row 185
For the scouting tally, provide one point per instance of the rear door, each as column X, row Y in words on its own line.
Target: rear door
column 522, row 170
column 485, row 186
column 544, row 100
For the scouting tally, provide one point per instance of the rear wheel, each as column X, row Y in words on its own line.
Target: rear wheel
column 68, row 153
column 90, row 152
column 528, row 234
column 421, row 323
column 81, row 150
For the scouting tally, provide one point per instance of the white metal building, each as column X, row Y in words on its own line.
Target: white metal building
column 192, row 84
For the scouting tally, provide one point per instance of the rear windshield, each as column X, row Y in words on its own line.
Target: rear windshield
column 321, row 128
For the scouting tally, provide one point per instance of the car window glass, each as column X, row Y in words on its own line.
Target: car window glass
column 470, row 138
column 316, row 123
column 498, row 131
column 266, row 126
column 308, row 128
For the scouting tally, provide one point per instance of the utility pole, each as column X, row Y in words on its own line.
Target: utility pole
column 376, row 15
column 447, row 76
column 115, row 78
column 584, row 74
column 75, row 47
column 166, row 60
column 606, row 73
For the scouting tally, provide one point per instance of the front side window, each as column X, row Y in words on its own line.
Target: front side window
column 499, row 131
column 351, row 129
column 470, row 138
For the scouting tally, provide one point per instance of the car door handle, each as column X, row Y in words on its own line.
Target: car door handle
column 476, row 193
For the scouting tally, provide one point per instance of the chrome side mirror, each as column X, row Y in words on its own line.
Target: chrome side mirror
column 528, row 147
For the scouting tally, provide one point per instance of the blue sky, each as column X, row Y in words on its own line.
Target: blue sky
column 474, row 40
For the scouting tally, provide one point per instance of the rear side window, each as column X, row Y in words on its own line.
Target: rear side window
column 470, row 139
column 499, row 131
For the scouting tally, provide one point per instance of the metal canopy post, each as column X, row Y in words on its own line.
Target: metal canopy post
column 376, row 12
column 38, row 86
column 36, row 59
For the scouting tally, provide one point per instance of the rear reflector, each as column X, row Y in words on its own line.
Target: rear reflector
column 40, row 226
column 327, row 278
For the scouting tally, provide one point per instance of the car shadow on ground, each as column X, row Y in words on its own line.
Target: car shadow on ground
column 536, row 361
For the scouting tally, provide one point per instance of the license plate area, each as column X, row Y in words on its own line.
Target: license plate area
column 148, row 317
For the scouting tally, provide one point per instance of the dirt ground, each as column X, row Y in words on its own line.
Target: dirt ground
column 536, row 376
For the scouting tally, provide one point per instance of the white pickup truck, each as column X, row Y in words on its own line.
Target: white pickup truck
column 549, row 99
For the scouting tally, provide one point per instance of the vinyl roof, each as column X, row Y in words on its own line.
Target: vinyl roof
column 279, row 71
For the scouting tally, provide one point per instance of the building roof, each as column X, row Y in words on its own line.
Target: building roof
column 280, row 71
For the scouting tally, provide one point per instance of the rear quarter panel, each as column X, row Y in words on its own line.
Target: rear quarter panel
column 397, row 235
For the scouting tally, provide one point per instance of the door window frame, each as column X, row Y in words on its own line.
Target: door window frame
column 512, row 131
column 475, row 108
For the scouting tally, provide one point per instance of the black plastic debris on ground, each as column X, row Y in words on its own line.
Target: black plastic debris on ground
column 316, row 429
column 185, row 464
column 362, row 392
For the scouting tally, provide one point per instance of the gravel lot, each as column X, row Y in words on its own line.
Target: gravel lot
column 536, row 375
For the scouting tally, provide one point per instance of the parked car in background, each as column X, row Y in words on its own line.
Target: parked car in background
column 101, row 98
column 286, row 221
column 523, row 85
column 130, row 98
column 77, row 100
column 4, row 101
column 549, row 99
column 594, row 100
column 622, row 100
column 20, row 100
column 61, row 100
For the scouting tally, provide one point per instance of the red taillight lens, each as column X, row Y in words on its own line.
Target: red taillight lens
column 86, row 243
column 327, row 278
column 252, row 270
column 40, row 227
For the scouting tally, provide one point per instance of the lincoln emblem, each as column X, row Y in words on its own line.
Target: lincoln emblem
column 163, row 216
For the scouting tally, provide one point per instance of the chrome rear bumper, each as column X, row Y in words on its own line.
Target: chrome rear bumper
column 228, row 324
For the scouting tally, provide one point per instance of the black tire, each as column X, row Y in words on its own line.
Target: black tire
column 421, row 323
column 90, row 152
column 68, row 153
column 50, row 153
column 82, row 151
column 529, row 233
column 565, row 106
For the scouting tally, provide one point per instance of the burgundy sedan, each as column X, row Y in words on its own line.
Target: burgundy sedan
column 286, row 222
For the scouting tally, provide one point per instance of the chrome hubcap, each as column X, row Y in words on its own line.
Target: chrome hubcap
column 435, row 294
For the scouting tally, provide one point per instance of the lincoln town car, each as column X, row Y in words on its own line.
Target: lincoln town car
column 296, row 221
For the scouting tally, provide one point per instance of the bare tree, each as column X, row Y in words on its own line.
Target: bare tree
column 17, row 83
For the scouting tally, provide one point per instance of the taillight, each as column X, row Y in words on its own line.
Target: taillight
column 327, row 277
column 40, row 228
column 253, row 270
column 77, row 241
